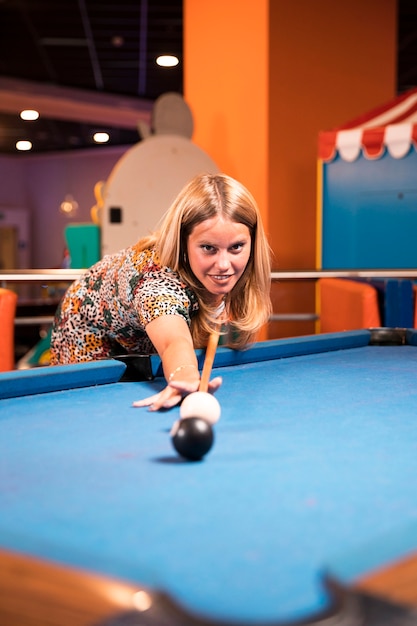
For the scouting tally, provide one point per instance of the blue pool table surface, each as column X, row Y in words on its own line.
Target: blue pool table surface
column 312, row 473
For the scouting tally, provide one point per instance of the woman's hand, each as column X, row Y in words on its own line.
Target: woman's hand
column 171, row 337
column 174, row 393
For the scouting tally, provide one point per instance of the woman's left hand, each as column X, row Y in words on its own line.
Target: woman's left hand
column 174, row 393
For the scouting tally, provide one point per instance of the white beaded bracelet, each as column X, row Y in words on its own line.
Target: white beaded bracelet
column 179, row 368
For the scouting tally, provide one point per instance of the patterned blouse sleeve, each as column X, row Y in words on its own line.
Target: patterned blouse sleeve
column 163, row 293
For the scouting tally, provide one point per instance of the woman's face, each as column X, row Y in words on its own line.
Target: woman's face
column 218, row 252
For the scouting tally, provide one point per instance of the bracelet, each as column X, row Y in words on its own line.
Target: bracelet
column 179, row 368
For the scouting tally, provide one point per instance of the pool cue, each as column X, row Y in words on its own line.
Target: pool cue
column 212, row 343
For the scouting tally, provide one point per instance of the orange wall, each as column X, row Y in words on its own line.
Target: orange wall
column 226, row 64
column 262, row 78
column 329, row 62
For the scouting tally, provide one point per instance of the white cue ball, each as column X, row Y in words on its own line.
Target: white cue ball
column 201, row 404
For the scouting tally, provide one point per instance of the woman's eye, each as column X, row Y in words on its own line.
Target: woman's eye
column 209, row 249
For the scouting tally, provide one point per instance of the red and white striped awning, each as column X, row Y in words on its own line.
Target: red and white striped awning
column 391, row 127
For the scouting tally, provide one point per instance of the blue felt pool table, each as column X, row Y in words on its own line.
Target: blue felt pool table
column 309, row 490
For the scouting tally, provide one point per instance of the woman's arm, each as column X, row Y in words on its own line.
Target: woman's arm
column 172, row 339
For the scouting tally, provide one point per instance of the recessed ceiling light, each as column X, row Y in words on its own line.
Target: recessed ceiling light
column 101, row 137
column 24, row 145
column 117, row 41
column 167, row 60
column 29, row 114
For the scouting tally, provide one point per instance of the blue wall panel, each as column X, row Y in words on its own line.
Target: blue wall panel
column 369, row 213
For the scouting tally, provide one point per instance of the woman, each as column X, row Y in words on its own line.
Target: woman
column 209, row 263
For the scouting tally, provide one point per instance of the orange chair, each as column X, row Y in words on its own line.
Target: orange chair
column 347, row 305
column 8, row 301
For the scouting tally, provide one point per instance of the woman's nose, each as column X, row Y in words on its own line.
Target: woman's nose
column 222, row 260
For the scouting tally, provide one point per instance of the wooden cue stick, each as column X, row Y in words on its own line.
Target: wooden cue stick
column 213, row 340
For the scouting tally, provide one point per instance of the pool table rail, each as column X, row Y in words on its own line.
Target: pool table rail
column 305, row 345
column 45, row 379
column 18, row 383
column 36, row 592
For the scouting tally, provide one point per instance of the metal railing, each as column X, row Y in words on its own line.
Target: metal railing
column 69, row 275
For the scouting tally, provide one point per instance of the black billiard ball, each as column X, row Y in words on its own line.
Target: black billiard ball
column 192, row 437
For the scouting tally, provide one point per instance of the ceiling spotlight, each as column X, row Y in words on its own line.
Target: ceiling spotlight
column 101, row 137
column 167, row 60
column 29, row 114
column 24, row 145
column 117, row 41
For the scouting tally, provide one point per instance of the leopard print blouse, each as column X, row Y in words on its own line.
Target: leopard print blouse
column 105, row 312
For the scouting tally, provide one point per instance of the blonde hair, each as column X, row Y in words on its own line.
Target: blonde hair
column 248, row 305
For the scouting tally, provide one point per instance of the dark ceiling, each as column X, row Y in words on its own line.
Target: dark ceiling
column 101, row 55
column 105, row 48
